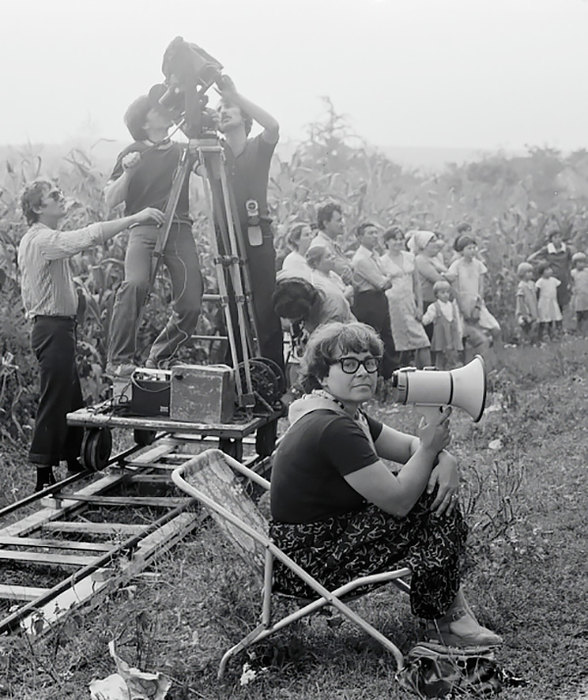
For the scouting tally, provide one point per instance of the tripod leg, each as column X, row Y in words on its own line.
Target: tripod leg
column 243, row 394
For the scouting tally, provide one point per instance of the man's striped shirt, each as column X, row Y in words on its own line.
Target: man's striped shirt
column 47, row 284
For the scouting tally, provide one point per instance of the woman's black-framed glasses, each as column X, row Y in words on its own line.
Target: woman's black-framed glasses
column 350, row 365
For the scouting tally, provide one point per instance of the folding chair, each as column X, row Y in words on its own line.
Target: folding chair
column 211, row 478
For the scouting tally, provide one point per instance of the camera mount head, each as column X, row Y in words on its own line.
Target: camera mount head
column 189, row 72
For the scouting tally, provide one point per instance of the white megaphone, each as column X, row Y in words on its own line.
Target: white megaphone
column 431, row 389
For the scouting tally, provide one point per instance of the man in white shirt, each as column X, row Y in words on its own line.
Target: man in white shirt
column 370, row 302
column 330, row 224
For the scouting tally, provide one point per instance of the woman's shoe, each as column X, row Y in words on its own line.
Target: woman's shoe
column 468, row 634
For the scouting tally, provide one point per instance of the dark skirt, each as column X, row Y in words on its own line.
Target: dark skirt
column 344, row 547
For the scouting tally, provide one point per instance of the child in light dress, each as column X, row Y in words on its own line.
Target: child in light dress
column 526, row 311
column 550, row 318
column 467, row 275
column 443, row 313
column 580, row 291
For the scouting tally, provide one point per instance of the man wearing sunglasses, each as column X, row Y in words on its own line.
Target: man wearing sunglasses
column 50, row 301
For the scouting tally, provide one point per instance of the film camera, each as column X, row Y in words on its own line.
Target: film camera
column 189, row 72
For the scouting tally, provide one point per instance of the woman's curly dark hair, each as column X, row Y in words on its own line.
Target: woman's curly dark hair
column 331, row 341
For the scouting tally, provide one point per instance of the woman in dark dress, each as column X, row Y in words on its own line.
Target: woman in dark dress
column 339, row 512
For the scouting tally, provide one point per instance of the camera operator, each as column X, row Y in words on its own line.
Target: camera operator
column 143, row 176
column 50, row 300
column 248, row 163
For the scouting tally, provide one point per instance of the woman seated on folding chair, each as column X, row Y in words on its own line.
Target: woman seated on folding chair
column 340, row 513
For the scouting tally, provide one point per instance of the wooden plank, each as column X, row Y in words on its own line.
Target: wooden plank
column 36, row 520
column 93, row 587
column 94, row 528
column 142, row 478
column 134, row 501
column 44, row 558
column 26, row 593
column 152, row 454
column 54, row 544
column 161, row 540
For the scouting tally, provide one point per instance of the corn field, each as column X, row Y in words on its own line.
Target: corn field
column 510, row 203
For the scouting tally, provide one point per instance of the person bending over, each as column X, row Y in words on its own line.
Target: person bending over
column 143, row 176
column 50, row 301
column 339, row 512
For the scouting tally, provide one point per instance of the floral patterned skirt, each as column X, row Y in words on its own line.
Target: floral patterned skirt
column 344, row 547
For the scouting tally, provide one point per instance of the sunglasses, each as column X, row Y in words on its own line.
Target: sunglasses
column 56, row 195
column 350, row 365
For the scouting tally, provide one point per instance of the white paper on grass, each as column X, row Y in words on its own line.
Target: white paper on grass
column 129, row 683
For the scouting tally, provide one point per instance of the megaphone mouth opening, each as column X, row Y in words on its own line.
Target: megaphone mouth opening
column 485, row 391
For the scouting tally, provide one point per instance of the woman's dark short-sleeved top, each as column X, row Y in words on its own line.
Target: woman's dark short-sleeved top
column 309, row 466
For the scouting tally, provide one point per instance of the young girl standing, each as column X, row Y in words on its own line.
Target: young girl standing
column 467, row 276
column 526, row 311
column 447, row 327
column 550, row 317
column 580, row 291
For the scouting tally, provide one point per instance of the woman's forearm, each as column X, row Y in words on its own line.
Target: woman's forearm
column 411, row 482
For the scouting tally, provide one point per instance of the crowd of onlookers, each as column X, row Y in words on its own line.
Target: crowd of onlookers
column 423, row 294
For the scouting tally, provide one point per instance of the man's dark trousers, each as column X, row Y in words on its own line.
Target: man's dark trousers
column 371, row 307
column 54, row 343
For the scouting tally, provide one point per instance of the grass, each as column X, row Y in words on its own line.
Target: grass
column 524, row 573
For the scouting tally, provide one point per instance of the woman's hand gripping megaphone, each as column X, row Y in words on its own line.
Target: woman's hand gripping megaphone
column 433, row 429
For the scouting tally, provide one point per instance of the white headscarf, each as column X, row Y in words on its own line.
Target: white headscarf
column 419, row 240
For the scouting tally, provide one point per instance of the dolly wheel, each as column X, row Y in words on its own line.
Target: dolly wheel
column 143, row 437
column 96, row 448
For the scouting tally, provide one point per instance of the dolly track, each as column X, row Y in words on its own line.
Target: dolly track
column 100, row 566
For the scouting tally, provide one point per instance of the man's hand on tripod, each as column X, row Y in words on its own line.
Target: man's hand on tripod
column 149, row 214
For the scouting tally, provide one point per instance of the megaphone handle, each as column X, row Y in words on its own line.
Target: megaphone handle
column 431, row 414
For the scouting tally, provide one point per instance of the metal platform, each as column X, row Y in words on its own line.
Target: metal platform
column 98, row 421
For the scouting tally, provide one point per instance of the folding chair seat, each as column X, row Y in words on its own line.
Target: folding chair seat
column 216, row 480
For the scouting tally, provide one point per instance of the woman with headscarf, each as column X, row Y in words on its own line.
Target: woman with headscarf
column 425, row 245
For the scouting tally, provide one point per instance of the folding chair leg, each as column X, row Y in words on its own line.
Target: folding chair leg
column 243, row 644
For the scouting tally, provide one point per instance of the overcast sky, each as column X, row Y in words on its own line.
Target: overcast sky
column 449, row 73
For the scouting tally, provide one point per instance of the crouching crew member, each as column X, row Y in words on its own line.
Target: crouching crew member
column 51, row 302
